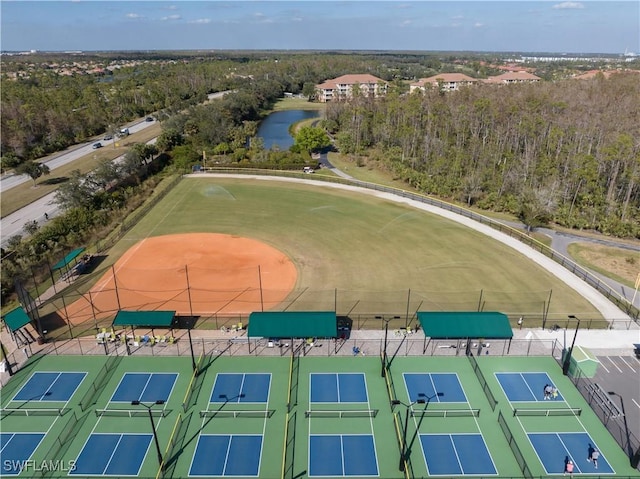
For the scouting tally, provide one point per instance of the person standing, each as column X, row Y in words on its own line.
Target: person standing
column 568, row 468
column 594, row 457
column 590, row 450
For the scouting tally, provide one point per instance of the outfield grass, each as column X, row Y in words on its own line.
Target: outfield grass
column 358, row 243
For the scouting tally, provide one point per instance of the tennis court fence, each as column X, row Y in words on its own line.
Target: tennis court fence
column 615, row 423
column 515, row 449
column 64, row 439
column 483, row 382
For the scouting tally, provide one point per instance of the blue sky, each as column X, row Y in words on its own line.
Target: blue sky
column 506, row 26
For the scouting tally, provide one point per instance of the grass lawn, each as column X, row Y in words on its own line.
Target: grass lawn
column 622, row 265
column 371, row 250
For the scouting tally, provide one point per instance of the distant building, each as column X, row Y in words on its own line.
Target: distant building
column 342, row 87
column 443, row 81
column 514, row 77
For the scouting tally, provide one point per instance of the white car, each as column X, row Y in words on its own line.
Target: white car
column 307, row 170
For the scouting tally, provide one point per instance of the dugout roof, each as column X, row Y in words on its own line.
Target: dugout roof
column 465, row 324
column 68, row 259
column 16, row 318
column 150, row 319
column 293, row 324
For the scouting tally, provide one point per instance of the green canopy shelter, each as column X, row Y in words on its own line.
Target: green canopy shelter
column 305, row 325
column 465, row 325
column 149, row 319
column 293, row 324
column 16, row 319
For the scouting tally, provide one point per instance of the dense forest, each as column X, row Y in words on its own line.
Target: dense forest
column 565, row 151
column 557, row 151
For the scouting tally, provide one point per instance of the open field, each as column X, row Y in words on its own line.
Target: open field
column 620, row 264
column 360, row 254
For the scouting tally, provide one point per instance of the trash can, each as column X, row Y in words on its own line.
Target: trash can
column 40, row 340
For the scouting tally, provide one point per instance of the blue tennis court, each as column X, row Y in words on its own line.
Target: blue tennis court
column 430, row 385
column 528, row 387
column 50, row 386
column 15, row 449
column 112, row 455
column 241, row 388
column 227, row 455
column 457, row 454
column 338, row 388
column 554, row 449
column 342, row 455
column 144, row 387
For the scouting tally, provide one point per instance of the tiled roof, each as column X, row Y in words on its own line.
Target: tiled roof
column 349, row 80
column 513, row 76
column 445, row 77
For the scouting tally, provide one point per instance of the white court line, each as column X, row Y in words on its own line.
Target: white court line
column 604, row 367
column 634, row 402
column 614, row 364
column 629, row 365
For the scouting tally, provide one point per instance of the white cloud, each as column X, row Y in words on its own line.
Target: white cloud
column 406, row 23
column 133, row 15
column 171, row 17
column 478, row 25
column 566, row 5
column 201, row 21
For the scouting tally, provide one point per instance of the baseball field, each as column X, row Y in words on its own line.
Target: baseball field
column 231, row 246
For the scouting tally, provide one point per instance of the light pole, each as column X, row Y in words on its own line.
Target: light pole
column 153, row 426
column 403, row 446
column 634, row 457
column 405, row 451
column 567, row 355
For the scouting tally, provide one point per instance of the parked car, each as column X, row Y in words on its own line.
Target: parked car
column 97, row 145
column 307, row 169
column 149, row 118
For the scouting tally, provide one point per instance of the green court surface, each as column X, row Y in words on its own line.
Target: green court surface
column 278, row 417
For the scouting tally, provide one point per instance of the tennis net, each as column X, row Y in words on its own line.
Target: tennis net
column 341, row 414
column 228, row 413
column 5, row 412
column 132, row 412
column 445, row 412
column 564, row 411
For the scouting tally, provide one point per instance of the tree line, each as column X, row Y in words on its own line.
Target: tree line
column 566, row 152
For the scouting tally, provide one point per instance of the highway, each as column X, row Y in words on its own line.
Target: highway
column 46, row 208
column 13, row 224
column 74, row 153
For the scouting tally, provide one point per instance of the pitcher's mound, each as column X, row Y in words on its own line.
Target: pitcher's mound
column 198, row 273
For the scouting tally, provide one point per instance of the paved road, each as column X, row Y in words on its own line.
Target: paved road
column 74, row 153
column 45, row 208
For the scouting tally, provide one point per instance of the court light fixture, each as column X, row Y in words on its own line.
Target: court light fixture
column 405, row 452
column 153, row 425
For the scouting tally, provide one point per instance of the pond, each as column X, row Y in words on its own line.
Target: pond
column 274, row 129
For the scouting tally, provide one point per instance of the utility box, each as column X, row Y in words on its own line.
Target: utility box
column 585, row 360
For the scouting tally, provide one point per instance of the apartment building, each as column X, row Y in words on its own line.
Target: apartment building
column 343, row 87
column 443, row 81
